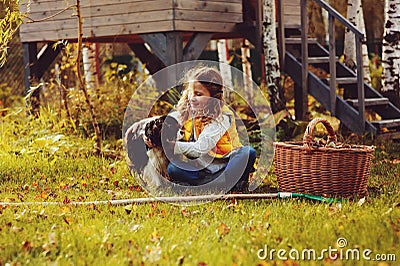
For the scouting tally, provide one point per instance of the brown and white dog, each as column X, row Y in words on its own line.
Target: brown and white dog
column 151, row 161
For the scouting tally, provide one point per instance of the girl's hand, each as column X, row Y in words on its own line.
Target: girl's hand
column 171, row 143
column 169, row 147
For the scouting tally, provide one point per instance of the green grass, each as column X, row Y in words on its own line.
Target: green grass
column 216, row 233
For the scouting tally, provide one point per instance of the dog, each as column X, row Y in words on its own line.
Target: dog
column 150, row 158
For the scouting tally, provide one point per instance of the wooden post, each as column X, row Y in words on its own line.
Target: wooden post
column 168, row 47
column 152, row 62
column 360, row 82
column 174, row 48
column 35, row 65
column 281, row 35
column 174, row 54
column 30, row 59
column 157, row 43
column 301, row 101
column 332, row 64
column 45, row 57
column 31, row 75
column 196, row 45
column 259, row 27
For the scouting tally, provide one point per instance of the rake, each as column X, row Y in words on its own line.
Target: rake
column 183, row 199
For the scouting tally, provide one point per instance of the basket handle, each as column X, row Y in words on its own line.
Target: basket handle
column 308, row 139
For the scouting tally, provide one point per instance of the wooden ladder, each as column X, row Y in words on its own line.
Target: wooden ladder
column 298, row 52
column 348, row 103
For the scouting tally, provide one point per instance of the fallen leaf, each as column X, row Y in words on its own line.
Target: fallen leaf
column 26, row 245
column 180, row 260
column 154, row 236
column 113, row 170
column 66, row 200
column 67, row 220
column 134, row 228
column 128, row 209
column 65, row 209
column 222, row 230
column 42, row 195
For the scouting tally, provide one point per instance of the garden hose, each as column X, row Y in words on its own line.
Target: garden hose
column 182, row 199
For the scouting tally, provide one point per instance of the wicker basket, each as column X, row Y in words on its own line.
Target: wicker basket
column 333, row 170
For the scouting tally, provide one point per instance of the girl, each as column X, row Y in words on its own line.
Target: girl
column 210, row 147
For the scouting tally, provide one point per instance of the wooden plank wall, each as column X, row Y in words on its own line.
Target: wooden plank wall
column 108, row 18
column 208, row 16
column 100, row 18
column 291, row 11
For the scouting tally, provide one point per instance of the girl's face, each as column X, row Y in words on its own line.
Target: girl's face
column 198, row 96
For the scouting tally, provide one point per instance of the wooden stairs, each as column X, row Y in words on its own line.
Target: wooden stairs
column 346, row 109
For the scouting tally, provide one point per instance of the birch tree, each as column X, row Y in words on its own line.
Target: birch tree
column 89, row 64
column 222, row 47
column 270, row 47
column 361, row 23
column 246, row 66
column 391, row 52
column 349, row 41
column 355, row 16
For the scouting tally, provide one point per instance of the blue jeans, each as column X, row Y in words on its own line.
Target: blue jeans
column 241, row 161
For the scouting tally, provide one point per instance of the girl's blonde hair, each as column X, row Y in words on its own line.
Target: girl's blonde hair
column 211, row 79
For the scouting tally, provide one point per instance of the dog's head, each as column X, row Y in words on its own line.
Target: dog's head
column 162, row 129
column 157, row 132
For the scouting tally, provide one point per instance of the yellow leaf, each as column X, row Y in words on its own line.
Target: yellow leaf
column 40, row 143
column 396, row 161
column 154, row 236
column 279, row 116
column 65, row 209
column 222, row 230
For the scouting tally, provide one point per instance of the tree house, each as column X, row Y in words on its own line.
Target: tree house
column 173, row 30
column 165, row 32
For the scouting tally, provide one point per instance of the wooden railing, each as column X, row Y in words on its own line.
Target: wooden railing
column 359, row 36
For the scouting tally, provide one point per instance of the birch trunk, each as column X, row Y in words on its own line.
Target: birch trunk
column 222, row 47
column 270, row 47
column 246, row 66
column 391, row 52
column 355, row 16
column 349, row 39
column 89, row 65
column 361, row 23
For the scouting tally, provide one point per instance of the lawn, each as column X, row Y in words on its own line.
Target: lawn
column 54, row 165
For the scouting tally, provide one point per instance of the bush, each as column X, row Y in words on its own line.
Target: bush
column 8, row 98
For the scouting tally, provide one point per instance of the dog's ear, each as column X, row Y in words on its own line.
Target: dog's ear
column 136, row 153
column 170, row 128
column 149, row 127
column 153, row 131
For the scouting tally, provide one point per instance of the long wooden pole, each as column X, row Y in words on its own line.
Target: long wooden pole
column 178, row 199
column 332, row 64
column 303, row 99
